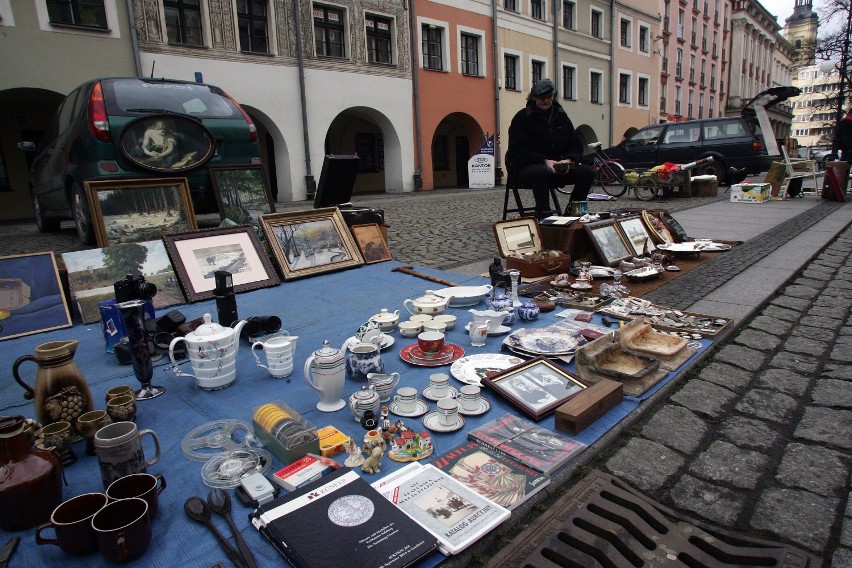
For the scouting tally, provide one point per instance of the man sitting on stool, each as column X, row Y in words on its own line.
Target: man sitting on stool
column 544, row 150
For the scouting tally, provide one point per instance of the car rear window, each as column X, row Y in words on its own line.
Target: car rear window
column 134, row 96
column 721, row 129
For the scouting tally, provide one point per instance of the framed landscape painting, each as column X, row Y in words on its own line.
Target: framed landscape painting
column 311, row 242
column 371, row 242
column 31, row 298
column 636, row 235
column 137, row 210
column 242, row 193
column 196, row 256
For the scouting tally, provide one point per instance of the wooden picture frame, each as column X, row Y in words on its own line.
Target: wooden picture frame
column 136, row 210
column 31, row 296
column 371, row 242
column 636, row 235
column 537, row 387
column 197, row 255
column 93, row 272
column 608, row 242
column 311, row 242
column 242, row 193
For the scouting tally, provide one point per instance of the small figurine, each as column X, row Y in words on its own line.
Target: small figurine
column 355, row 458
column 373, row 464
column 386, row 425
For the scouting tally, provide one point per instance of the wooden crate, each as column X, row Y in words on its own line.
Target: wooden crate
column 583, row 409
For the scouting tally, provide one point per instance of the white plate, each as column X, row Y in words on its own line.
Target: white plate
column 432, row 421
column 471, row 368
column 387, row 341
column 543, row 342
column 451, row 393
column 499, row 331
column 464, row 295
column 484, row 406
column 420, row 408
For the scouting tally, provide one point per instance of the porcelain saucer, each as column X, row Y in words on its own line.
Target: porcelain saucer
column 484, row 406
column 432, row 421
column 452, row 392
column 387, row 341
column 444, row 353
column 503, row 329
column 420, row 408
column 457, row 353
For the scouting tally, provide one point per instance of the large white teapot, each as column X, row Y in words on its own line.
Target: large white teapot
column 431, row 303
column 212, row 352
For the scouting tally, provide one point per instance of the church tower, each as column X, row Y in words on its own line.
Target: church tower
column 800, row 30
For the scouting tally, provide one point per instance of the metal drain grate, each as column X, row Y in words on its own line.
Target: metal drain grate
column 602, row 522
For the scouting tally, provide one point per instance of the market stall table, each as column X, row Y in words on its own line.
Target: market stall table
column 328, row 307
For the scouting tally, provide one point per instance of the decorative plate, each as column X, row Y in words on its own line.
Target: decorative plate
column 405, row 354
column 656, row 229
column 432, row 421
column 597, row 272
column 644, row 273
column 543, row 342
column 464, row 295
column 472, row 368
column 444, row 353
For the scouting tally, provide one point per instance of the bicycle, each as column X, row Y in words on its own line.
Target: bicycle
column 611, row 176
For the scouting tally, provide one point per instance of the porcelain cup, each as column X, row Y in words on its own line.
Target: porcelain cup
column 406, row 399
column 434, row 325
column 72, row 523
column 439, row 385
column 449, row 320
column 448, row 410
column 410, row 328
column 430, row 342
column 421, row 318
column 470, row 397
column 383, row 384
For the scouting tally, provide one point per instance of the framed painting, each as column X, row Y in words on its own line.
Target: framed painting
column 242, row 193
column 196, row 256
column 311, row 242
column 371, row 242
column 137, row 210
column 537, row 387
column 31, row 298
column 608, row 242
column 92, row 273
column 636, row 235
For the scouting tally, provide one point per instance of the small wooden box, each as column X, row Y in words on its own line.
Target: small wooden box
column 523, row 237
column 588, row 405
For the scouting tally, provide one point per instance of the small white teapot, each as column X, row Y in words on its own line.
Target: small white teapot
column 212, row 352
column 387, row 320
column 431, row 303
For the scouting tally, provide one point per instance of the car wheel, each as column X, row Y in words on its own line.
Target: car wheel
column 43, row 224
column 716, row 168
column 82, row 215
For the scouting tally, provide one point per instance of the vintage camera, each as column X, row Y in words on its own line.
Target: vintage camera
column 134, row 287
column 226, row 300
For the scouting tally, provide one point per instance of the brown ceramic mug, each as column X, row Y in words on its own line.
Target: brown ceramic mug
column 118, row 391
column 123, row 529
column 72, row 523
column 142, row 485
column 122, row 408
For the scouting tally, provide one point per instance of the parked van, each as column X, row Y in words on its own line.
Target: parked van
column 116, row 128
column 734, row 142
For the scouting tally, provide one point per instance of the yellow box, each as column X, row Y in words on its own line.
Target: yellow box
column 751, row 192
column 331, row 441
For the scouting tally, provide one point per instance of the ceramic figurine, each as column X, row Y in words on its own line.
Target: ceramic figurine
column 355, row 458
column 373, row 463
column 369, row 421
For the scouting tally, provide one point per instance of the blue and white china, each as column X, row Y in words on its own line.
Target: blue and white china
column 528, row 311
column 362, row 359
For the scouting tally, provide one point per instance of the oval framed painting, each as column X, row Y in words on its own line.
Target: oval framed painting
column 167, row 143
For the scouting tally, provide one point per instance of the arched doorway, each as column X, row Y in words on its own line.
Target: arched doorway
column 456, row 138
column 273, row 153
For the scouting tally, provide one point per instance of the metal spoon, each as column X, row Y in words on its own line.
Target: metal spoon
column 197, row 510
column 220, row 502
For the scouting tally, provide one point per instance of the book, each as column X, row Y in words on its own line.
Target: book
column 492, row 474
column 340, row 520
column 451, row 511
column 538, row 448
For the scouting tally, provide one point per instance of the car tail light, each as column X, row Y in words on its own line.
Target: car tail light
column 252, row 127
column 98, row 122
column 756, row 145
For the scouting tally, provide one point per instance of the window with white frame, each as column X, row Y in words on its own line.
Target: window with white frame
column 329, row 31
column 537, row 68
column 433, row 47
column 624, row 32
column 595, row 80
column 82, row 13
column 537, row 9
column 469, row 45
column 569, row 74
column 252, row 23
column 597, row 24
column 183, row 22
column 379, row 39
column 624, row 88
column 644, row 39
column 510, row 72
column 569, row 9
column 643, row 90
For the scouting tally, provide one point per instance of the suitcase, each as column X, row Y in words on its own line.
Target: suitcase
column 336, row 183
column 519, row 242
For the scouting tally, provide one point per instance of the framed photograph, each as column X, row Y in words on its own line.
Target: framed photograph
column 198, row 255
column 537, row 387
column 636, row 235
column 242, row 193
column 92, row 273
column 137, row 210
column 311, row 242
column 371, row 242
column 31, row 298
column 608, row 242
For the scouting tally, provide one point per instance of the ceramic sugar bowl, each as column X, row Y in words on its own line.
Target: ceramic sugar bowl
column 365, row 399
column 387, row 320
column 528, row 311
column 431, row 303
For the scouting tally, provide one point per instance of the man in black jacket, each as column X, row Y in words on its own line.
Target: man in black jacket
column 844, row 137
column 544, row 149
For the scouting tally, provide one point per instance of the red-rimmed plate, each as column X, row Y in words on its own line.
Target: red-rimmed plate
column 457, row 353
column 444, row 353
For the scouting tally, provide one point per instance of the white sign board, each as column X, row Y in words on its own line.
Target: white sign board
column 480, row 169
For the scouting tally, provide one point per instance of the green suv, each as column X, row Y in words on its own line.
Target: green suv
column 118, row 128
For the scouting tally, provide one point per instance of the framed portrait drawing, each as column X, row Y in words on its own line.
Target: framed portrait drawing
column 92, row 273
column 608, row 242
column 636, row 235
column 137, row 210
column 242, row 193
column 537, row 387
column 311, row 242
column 31, row 298
column 196, row 256
column 371, row 242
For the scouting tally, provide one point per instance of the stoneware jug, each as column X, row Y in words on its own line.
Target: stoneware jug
column 363, row 358
column 212, row 352
column 325, row 372
column 363, row 400
column 30, row 480
column 61, row 392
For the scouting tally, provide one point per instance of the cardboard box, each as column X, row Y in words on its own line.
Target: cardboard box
column 704, row 186
column 751, row 192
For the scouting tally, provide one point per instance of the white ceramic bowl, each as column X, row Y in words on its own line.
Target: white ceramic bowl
column 448, row 320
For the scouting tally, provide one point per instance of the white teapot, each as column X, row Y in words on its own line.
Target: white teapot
column 386, row 319
column 431, row 303
column 212, row 352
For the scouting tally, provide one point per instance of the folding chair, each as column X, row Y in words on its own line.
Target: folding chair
column 520, row 209
column 798, row 168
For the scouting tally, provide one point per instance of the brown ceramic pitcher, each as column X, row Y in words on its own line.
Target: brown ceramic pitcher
column 61, row 392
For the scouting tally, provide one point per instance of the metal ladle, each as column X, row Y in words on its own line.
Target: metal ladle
column 197, row 510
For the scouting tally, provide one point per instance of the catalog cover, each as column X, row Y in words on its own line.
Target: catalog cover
column 492, row 474
column 340, row 520
column 455, row 514
column 536, row 447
